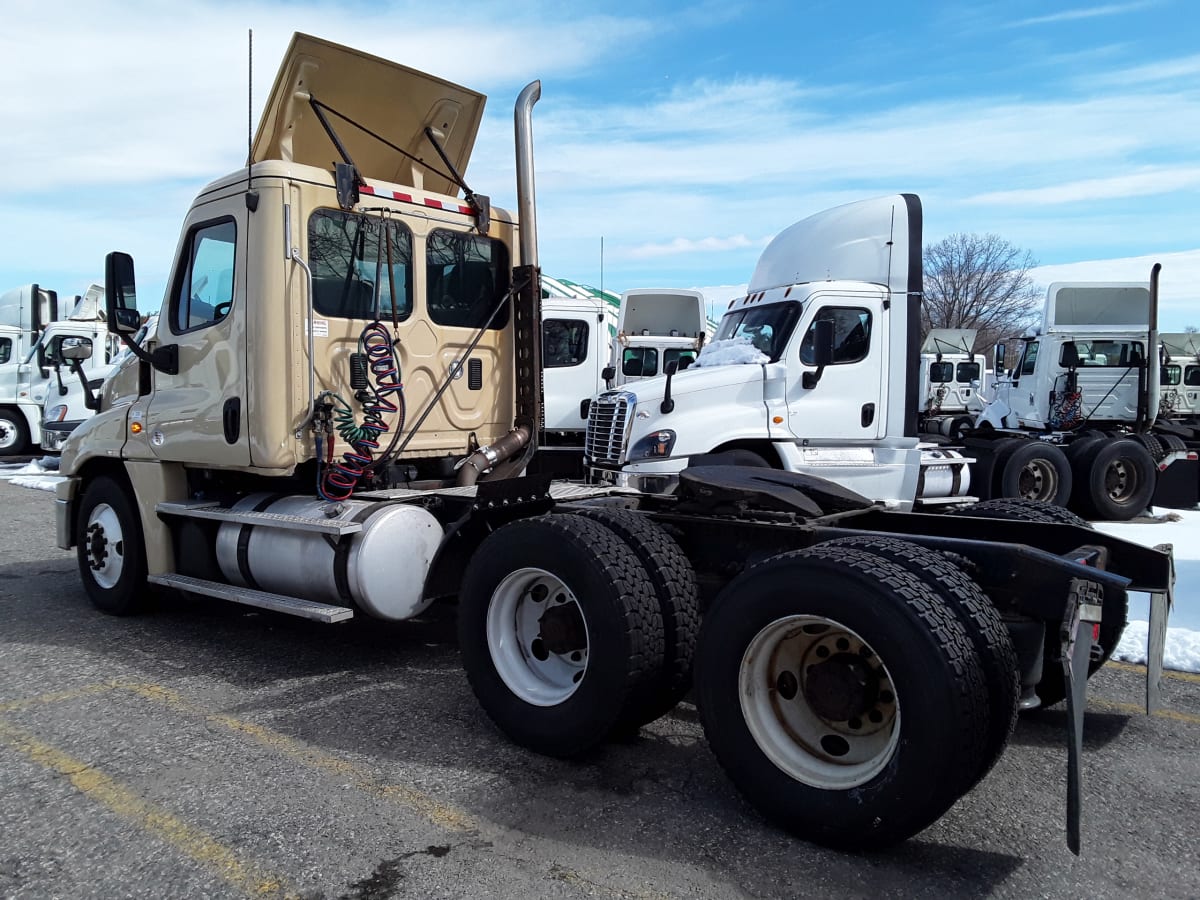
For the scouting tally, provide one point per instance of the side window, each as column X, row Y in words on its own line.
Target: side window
column 203, row 290
column 851, row 334
column 5, row 350
column 683, row 358
column 465, row 276
column 1029, row 360
column 564, row 342
column 348, row 253
column 966, row 372
column 941, row 372
column 639, row 362
column 1170, row 375
column 1191, row 376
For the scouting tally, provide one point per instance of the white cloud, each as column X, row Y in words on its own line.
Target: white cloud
column 1137, row 184
column 1087, row 12
column 702, row 245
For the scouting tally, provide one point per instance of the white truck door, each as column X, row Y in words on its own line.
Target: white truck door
column 574, row 339
column 849, row 403
column 200, row 413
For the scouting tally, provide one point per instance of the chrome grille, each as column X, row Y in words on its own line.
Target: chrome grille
column 607, row 428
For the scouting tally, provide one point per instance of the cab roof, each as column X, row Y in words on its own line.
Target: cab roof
column 393, row 101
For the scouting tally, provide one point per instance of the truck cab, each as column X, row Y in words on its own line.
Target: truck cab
column 1086, row 362
column 951, row 378
column 808, row 372
column 656, row 328
column 1180, row 377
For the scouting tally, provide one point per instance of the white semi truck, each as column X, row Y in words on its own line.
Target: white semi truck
column 1078, row 421
column 839, row 404
column 31, row 373
column 333, row 416
column 657, row 328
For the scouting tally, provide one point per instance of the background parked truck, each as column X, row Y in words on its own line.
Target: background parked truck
column 32, row 377
column 334, row 413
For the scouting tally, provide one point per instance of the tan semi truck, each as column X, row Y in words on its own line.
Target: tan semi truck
column 333, row 417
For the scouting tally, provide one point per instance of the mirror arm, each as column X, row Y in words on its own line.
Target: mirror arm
column 90, row 400
column 812, row 379
column 164, row 359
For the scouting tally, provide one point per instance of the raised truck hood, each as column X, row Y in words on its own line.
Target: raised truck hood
column 392, row 100
column 949, row 340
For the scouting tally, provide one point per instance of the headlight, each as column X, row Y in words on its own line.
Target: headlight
column 56, row 413
column 655, row 445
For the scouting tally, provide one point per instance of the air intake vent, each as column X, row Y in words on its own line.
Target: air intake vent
column 475, row 374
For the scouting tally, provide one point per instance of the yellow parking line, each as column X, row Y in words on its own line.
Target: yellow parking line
column 59, row 696
column 1141, row 670
column 1136, row 710
column 439, row 814
column 106, row 791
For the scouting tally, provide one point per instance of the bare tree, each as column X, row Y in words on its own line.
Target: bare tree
column 979, row 281
column 1190, row 329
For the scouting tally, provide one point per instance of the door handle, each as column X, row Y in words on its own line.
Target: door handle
column 231, row 419
column 868, row 414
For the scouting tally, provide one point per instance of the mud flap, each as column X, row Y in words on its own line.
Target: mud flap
column 1160, row 608
column 1084, row 609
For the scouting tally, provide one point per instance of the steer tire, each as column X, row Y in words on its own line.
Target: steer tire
column 14, row 433
column 1119, row 477
column 813, row 649
column 558, row 703
column 978, row 615
column 110, row 549
column 674, row 582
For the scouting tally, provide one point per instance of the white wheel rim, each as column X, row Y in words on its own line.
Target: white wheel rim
column 105, row 546
column 1038, row 480
column 8, row 435
column 542, row 670
column 788, row 684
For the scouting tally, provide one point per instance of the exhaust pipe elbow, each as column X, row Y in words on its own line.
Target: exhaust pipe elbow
column 485, row 458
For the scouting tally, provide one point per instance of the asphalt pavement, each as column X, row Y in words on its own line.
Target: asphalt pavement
column 209, row 750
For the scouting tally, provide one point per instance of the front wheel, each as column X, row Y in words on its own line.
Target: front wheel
column 842, row 696
column 14, row 433
column 110, row 548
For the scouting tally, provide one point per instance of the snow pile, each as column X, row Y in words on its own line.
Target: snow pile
column 1182, row 651
column 731, row 352
column 1182, row 529
column 31, row 475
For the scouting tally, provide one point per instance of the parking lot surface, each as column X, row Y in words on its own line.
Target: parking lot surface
column 209, row 750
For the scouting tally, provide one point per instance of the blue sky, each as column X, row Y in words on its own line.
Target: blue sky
column 684, row 136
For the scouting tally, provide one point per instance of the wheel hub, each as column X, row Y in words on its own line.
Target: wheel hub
column 97, row 546
column 841, row 688
column 562, row 629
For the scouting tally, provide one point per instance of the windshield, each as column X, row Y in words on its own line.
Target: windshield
column 767, row 327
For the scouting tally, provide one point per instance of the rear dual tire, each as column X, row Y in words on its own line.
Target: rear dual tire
column 842, row 695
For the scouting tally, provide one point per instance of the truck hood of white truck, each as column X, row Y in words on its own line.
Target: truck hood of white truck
column 700, row 379
column 392, row 100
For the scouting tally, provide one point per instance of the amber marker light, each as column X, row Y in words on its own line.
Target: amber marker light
column 778, row 420
column 135, row 427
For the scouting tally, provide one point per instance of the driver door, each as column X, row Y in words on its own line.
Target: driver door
column 199, row 414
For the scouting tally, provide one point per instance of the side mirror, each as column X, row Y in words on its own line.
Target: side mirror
column 822, row 352
column 76, row 349
column 120, row 294
column 608, row 373
column 1070, row 355
column 1000, row 354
